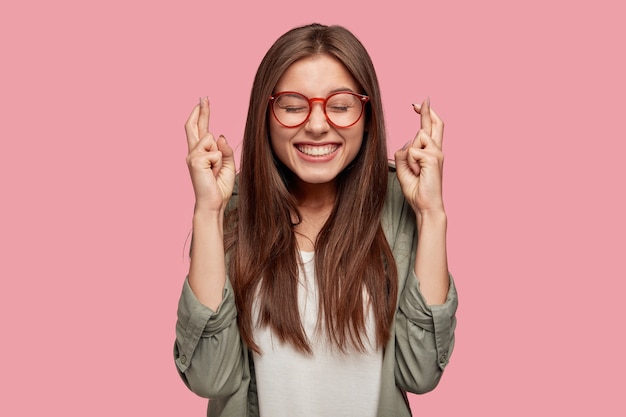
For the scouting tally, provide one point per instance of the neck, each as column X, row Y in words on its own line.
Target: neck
column 315, row 203
column 315, row 196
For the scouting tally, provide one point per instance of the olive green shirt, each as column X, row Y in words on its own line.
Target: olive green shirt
column 213, row 361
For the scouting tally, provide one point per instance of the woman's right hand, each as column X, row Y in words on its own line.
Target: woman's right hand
column 211, row 162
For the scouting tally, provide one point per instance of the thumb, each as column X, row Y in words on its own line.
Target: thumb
column 402, row 154
column 228, row 155
column 412, row 161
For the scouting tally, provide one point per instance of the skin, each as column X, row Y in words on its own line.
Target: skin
column 212, row 169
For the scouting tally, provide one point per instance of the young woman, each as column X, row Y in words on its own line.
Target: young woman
column 318, row 283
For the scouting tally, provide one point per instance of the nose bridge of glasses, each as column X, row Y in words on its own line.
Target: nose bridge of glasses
column 322, row 102
column 314, row 99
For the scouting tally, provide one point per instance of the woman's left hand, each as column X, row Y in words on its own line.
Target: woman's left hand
column 419, row 164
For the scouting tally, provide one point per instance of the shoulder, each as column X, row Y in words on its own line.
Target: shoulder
column 234, row 198
column 394, row 200
column 397, row 216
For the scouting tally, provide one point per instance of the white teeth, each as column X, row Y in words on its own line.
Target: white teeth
column 317, row 150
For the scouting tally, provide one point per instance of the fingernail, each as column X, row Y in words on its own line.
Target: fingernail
column 416, row 105
column 406, row 145
column 224, row 137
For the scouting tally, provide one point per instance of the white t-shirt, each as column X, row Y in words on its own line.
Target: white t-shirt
column 326, row 383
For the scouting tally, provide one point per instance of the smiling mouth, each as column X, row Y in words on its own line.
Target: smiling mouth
column 322, row 150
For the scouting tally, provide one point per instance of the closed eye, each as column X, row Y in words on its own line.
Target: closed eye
column 339, row 109
column 294, row 109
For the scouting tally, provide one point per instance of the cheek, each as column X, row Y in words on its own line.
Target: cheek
column 356, row 140
column 356, row 149
column 279, row 143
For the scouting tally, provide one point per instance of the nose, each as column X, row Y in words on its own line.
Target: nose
column 317, row 122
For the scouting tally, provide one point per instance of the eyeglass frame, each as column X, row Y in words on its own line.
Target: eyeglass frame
column 362, row 98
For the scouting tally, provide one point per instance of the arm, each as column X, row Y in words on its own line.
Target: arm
column 212, row 169
column 208, row 350
column 425, row 321
column 431, row 263
column 419, row 168
column 424, row 334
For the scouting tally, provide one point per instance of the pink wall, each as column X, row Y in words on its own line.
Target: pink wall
column 97, row 202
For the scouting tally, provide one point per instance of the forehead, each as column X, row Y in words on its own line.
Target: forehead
column 316, row 76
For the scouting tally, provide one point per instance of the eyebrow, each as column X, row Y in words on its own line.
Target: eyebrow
column 341, row 89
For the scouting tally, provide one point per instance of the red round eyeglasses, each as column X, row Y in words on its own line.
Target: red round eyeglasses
column 342, row 109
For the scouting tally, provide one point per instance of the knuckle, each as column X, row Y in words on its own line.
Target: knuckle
column 195, row 161
column 192, row 162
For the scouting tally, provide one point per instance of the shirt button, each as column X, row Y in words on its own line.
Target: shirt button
column 442, row 358
column 183, row 359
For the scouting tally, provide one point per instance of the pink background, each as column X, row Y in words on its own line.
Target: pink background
column 96, row 200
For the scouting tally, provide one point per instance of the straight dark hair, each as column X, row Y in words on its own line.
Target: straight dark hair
column 351, row 251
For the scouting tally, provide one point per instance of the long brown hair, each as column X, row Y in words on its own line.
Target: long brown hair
column 351, row 251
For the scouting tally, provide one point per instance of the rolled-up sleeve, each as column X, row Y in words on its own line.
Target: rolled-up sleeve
column 208, row 351
column 424, row 337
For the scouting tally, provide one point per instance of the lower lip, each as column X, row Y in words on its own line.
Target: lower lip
column 322, row 158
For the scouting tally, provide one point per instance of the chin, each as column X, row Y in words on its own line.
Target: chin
column 317, row 178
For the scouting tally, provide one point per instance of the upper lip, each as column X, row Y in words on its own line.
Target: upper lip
column 316, row 143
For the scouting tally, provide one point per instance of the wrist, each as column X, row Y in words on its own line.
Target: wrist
column 210, row 205
column 432, row 217
column 203, row 213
